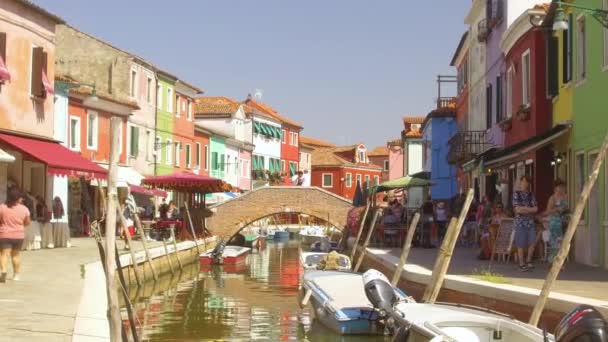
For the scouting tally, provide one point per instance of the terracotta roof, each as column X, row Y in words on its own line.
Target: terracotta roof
column 215, row 105
column 32, row 5
column 448, row 111
column 266, row 109
column 395, row 142
column 314, row 142
column 414, row 133
column 328, row 157
column 413, row 119
column 378, row 151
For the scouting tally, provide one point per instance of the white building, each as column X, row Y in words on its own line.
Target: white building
column 266, row 156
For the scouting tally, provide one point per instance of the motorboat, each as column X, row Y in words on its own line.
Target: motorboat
column 409, row 320
column 281, row 234
column 311, row 234
column 324, row 245
column 223, row 254
column 312, row 260
column 339, row 302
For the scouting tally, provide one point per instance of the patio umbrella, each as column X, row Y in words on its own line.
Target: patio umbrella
column 403, row 183
column 358, row 199
column 187, row 183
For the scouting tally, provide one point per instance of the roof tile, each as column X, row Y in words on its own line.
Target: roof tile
column 266, row 109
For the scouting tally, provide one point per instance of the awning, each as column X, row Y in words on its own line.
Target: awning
column 187, row 182
column 149, row 192
column 60, row 161
column 514, row 151
column 5, row 157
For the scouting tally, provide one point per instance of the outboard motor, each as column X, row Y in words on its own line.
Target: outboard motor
column 379, row 291
column 583, row 324
column 218, row 251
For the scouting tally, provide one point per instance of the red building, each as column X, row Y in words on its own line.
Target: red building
column 379, row 157
column 338, row 169
column 188, row 149
column 290, row 146
column 526, row 116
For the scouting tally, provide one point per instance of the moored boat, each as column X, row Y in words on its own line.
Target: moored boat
column 318, row 260
column 311, row 234
column 227, row 255
column 281, row 235
column 340, row 304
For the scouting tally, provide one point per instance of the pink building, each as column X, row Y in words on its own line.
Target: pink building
column 395, row 159
column 244, row 179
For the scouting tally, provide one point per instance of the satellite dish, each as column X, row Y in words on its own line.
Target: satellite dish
column 257, row 94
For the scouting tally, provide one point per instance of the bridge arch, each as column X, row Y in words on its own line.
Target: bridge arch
column 231, row 216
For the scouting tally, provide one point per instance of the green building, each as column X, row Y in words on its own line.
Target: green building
column 590, row 116
column 165, row 94
column 217, row 151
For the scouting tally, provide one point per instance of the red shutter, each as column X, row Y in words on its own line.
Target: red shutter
column 5, row 75
column 48, row 86
column 37, row 62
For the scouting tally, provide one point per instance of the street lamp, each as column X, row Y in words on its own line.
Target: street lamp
column 560, row 23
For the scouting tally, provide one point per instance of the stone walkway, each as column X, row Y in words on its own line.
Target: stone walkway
column 43, row 304
column 575, row 279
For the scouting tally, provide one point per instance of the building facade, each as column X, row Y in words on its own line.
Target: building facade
column 164, row 144
column 396, row 155
column 379, row 157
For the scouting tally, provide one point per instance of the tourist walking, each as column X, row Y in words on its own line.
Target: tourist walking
column 298, row 179
column 441, row 220
column 14, row 216
column 525, row 207
column 556, row 210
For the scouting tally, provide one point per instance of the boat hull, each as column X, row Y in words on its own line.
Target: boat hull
column 281, row 235
column 232, row 255
column 350, row 327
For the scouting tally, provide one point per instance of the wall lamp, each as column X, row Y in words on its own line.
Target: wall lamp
column 560, row 20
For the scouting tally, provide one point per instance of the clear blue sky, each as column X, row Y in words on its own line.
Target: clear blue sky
column 348, row 70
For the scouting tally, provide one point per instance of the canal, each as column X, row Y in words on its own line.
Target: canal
column 254, row 301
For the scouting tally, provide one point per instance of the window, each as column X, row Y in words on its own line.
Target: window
column 295, row 139
column 386, row 165
column 149, row 90
column 499, row 94
column 284, row 136
column 349, row 180
column 328, row 180
column 361, row 156
column 581, row 49
column 197, row 156
column 283, row 166
column 214, row 162
column 376, row 180
column 177, row 104
column 605, row 31
column 188, row 156
column 184, row 105
column 525, row 78
column 359, row 180
column 157, row 143
column 169, row 100
column 206, row 157
column 133, row 141
column 133, row 89
column 168, row 152
column 178, row 150
column 39, row 82
column 159, row 96
column 222, row 162
column 552, row 88
column 236, row 165
column 489, row 106
column 189, row 113
column 5, row 76
column 92, row 130
column 567, row 51
column 509, row 94
column 291, row 138
column 366, row 181
column 74, row 133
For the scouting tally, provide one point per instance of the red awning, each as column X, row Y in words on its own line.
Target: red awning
column 187, row 182
column 149, row 192
column 60, row 161
column 5, row 75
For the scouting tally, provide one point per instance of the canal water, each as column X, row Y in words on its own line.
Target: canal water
column 253, row 302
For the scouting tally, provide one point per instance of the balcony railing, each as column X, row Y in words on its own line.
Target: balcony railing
column 443, row 102
column 466, row 145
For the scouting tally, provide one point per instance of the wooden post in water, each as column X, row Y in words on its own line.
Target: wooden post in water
column 446, row 251
column 176, row 252
column 145, row 244
column 360, row 232
column 167, row 256
column 138, row 277
column 562, row 254
column 407, row 245
column 367, row 239
column 192, row 228
column 114, row 318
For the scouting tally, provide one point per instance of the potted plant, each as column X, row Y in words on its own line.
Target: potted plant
column 506, row 124
column 523, row 112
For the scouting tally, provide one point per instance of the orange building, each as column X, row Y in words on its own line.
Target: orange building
column 379, row 157
column 188, row 149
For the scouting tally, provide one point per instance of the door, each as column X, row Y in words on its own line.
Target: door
column 594, row 222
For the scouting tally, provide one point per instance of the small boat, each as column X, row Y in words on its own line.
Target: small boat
column 226, row 269
column 281, row 234
column 324, row 246
column 255, row 241
column 340, row 304
column 311, row 260
column 312, row 234
column 222, row 255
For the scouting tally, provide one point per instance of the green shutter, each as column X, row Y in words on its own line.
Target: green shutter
column 214, row 161
column 277, row 131
column 271, row 164
column 222, row 161
column 256, row 127
column 255, row 162
column 292, row 169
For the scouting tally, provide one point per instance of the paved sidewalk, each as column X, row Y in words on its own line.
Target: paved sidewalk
column 43, row 304
column 575, row 279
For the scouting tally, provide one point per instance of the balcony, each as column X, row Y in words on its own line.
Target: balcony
column 466, row 145
column 446, row 102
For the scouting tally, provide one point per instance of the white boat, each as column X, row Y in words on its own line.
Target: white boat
column 444, row 321
column 311, row 234
column 340, row 304
column 310, row 260
column 222, row 255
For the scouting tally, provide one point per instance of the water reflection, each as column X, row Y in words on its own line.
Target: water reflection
column 253, row 301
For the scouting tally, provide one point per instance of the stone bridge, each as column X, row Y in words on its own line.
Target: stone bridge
column 231, row 216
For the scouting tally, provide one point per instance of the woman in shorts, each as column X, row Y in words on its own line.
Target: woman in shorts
column 525, row 207
column 14, row 216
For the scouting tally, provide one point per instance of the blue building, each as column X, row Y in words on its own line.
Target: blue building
column 437, row 129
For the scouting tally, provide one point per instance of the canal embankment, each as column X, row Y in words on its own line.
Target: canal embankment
column 515, row 294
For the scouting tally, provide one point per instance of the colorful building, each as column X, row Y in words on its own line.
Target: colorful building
column 395, row 159
column 339, row 169
column 379, row 156
column 165, row 97
column 184, row 140
column 266, row 155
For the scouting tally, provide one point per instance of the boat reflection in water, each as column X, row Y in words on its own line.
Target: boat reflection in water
column 255, row 302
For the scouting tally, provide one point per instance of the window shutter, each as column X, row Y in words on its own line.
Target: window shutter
column 498, row 97
column 136, row 142
column 214, row 160
column 567, row 50
column 37, row 63
column 552, row 87
column 3, row 46
column 489, row 103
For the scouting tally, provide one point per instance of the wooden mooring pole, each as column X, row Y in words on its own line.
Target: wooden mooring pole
column 562, row 254
column 176, row 252
column 407, row 245
column 367, row 239
column 360, row 232
column 445, row 253
column 192, row 228
column 139, row 278
column 143, row 238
